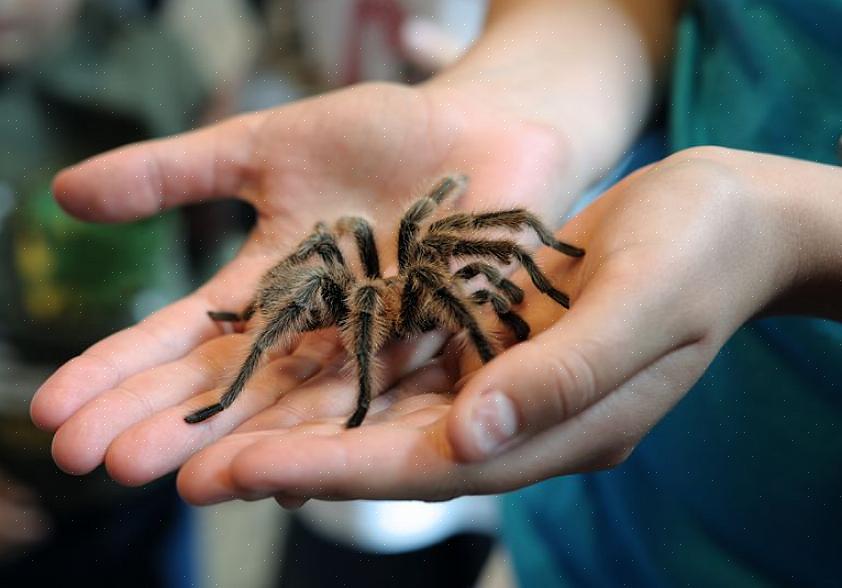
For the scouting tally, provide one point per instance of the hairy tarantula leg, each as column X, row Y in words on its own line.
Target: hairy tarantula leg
column 503, row 309
column 290, row 319
column 514, row 220
column 503, row 251
column 333, row 295
column 366, row 329
column 284, row 323
column 419, row 211
column 519, row 217
column 427, row 324
column 512, row 291
column 366, row 246
column 450, row 305
column 540, row 279
column 233, row 317
column 322, row 242
column 462, row 315
column 448, row 246
column 410, row 320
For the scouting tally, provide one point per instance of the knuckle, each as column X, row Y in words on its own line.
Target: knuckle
column 572, row 382
column 711, row 152
column 710, row 169
column 92, row 360
column 141, row 402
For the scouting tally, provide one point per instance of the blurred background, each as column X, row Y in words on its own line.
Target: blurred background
column 78, row 77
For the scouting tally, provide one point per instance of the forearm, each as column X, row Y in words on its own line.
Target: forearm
column 588, row 68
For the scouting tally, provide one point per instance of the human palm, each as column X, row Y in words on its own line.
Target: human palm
column 665, row 282
column 365, row 150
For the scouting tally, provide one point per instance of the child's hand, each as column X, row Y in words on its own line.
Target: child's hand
column 679, row 255
column 521, row 113
column 365, row 150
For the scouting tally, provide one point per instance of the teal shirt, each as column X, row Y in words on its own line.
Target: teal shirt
column 741, row 484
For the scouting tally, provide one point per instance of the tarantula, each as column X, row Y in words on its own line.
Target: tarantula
column 301, row 294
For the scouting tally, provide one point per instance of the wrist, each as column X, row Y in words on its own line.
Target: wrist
column 586, row 69
column 740, row 251
column 809, row 205
column 548, row 155
column 800, row 204
column 586, row 154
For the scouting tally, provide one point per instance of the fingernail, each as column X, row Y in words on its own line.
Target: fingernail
column 494, row 422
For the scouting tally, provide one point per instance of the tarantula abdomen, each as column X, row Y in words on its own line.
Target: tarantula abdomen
column 314, row 288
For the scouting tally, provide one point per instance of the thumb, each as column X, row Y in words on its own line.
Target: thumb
column 608, row 336
column 144, row 178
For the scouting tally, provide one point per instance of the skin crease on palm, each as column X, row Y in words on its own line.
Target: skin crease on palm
column 670, row 272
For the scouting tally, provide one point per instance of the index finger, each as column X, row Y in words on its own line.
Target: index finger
column 144, row 178
column 162, row 337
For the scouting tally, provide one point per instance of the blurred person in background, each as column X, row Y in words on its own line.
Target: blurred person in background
column 735, row 485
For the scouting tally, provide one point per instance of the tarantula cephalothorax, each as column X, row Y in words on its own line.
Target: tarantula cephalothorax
column 314, row 288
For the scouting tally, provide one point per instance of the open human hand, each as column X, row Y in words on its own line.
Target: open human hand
column 680, row 254
column 366, row 150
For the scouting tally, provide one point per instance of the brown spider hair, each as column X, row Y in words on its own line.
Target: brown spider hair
column 314, row 288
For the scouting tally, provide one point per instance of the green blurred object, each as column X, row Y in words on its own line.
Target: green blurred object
column 73, row 283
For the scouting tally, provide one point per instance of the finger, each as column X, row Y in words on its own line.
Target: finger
column 618, row 326
column 410, row 458
column 142, row 179
column 333, row 393
column 162, row 337
column 160, row 444
column 389, row 460
column 80, row 444
column 604, row 434
column 206, row 476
